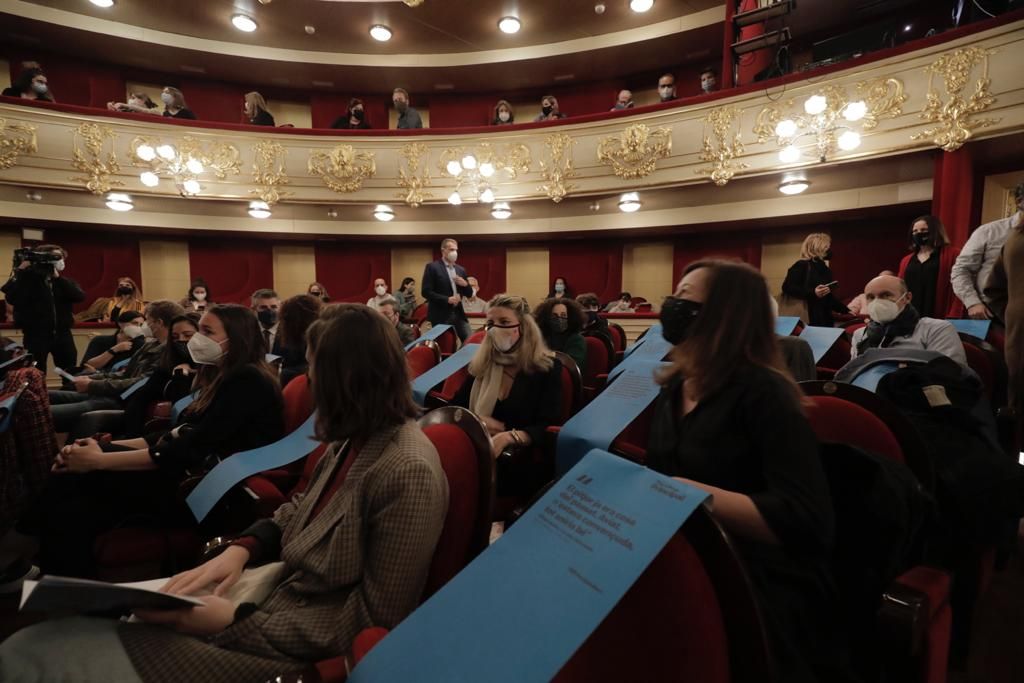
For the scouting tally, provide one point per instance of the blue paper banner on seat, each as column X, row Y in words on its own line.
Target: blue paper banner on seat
column 604, row 418
column 870, row 378
column 975, row 328
column 236, row 468
column 785, row 325
column 654, row 348
column 821, row 339
column 431, row 334
column 179, row 406
column 422, row 385
column 120, row 364
column 521, row 609
column 133, row 388
column 654, row 329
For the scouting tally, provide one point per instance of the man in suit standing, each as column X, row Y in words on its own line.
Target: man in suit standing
column 444, row 285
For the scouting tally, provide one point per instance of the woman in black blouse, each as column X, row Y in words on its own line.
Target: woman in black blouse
column 926, row 269
column 729, row 421
column 238, row 407
column 174, row 104
column 354, row 118
column 255, row 110
column 810, row 280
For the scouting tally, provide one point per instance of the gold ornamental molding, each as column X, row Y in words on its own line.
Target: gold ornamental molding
column 413, row 174
column 15, row 139
column 955, row 115
column 512, row 159
column 635, row 152
column 93, row 154
column 221, row 158
column 558, row 168
column 268, row 171
column 343, row 169
column 727, row 146
column 884, row 98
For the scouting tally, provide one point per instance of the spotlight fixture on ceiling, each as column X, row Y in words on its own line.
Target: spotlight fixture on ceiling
column 380, row 33
column 639, row 6
column 501, row 210
column 119, row 201
column 103, row 3
column 824, row 120
column 259, row 209
column 509, row 25
column 794, row 184
column 383, row 212
column 244, row 23
column 630, row 202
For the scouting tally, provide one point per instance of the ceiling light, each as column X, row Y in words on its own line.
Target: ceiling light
column 244, row 23
column 629, row 202
column 191, row 186
column 793, row 185
column 815, row 104
column 259, row 209
column 786, row 128
column 380, row 33
column 906, row 29
column 118, row 201
column 501, row 210
column 789, row 154
column 454, row 167
column 166, row 152
column 103, row 3
column 383, row 212
column 509, row 25
column 487, row 196
column 849, row 140
column 455, row 198
column 194, row 165
column 310, row 29
column 145, row 152
column 149, row 179
column 641, row 5
column 855, row 111
column 487, row 169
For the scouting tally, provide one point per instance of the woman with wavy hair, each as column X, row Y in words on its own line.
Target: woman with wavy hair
column 809, row 288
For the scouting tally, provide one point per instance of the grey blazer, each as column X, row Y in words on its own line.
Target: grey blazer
column 363, row 561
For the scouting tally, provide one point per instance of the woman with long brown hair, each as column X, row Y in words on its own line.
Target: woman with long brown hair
column 729, row 421
column 926, row 269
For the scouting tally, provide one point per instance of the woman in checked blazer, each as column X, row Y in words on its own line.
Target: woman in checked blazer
column 356, row 547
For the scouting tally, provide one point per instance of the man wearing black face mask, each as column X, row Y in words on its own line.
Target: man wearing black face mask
column 266, row 305
column 407, row 116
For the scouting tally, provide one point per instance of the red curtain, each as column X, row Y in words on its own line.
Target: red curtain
column 862, row 249
column 736, row 246
column 955, row 200
column 588, row 267
column 233, row 269
column 213, row 101
column 95, row 262
column 485, row 262
column 348, row 270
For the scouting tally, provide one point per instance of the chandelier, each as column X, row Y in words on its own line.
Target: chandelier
column 166, row 160
column 827, row 121
column 472, row 179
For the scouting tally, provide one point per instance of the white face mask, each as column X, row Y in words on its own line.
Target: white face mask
column 167, row 98
column 59, row 265
column 146, row 331
column 133, row 331
column 503, row 116
column 199, row 296
column 883, row 311
column 475, row 290
column 504, row 338
column 452, row 256
column 204, row 350
column 665, row 92
column 381, row 290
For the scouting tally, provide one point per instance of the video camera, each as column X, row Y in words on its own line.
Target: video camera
column 46, row 259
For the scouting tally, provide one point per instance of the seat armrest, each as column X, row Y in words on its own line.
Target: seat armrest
column 908, row 607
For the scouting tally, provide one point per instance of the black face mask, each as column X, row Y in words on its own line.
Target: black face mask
column 677, row 316
column 828, row 255
column 920, row 239
column 545, row 110
column 358, row 114
column 267, row 317
column 592, row 317
column 181, row 351
column 124, row 291
column 559, row 324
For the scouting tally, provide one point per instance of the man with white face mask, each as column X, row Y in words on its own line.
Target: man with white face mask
column 444, row 287
column 895, row 324
column 380, row 294
column 667, row 88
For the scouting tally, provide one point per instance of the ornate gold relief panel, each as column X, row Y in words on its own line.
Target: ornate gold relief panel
column 15, row 139
column 955, row 114
column 558, row 168
column 635, row 152
column 413, row 174
column 343, row 169
column 884, row 98
column 268, row 171
column 92, row 153
column 723, row 146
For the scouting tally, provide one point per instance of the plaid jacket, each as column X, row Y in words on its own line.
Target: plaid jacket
column 27, row 448
column 363, row 561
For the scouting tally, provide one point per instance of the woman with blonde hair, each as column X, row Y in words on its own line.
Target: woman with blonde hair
column 809, row 288
column 174, row 104
column 137, row 102
column 515, row 383
column 127, row 297
column 256, row 110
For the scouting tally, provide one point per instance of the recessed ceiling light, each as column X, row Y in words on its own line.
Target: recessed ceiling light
column 380, row 32
column 501, row 210
column 310, row 29
column 641, row 5
column 259, row 209
column 629, row 202
column 118, row 201
column 103, row 3
column 793, row 185
column 509, row 25
column 244, row 23
column 383, row 212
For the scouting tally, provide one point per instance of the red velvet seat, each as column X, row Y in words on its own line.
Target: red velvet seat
column 835, row 358
column 451, row 386
column 600, row 359
column 419, row 314
column 618, row 336
column 422, row 357
column 572, row 386
column 447, row 342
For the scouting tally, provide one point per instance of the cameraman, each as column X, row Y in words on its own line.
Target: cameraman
column 42, row 302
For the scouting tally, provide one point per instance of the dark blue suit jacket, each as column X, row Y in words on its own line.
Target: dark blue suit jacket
column 436, row 288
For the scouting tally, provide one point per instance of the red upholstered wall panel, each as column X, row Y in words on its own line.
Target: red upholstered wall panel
column 588, row 267
column 348, row 270
column 95, row 262
column 743, row 246
column 213, row 101
column 861, row 249
column 485, row 262
column 233, row 268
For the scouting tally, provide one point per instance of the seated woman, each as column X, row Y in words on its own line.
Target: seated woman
column 255, row 110
column 356, row 548
column 127, row 297
column 199, row 298
column 515, row 384
column 503, row 114
column 354, row 117
column 729, row 420
column 406, row 298
column 561, row 321
column 138, row 102
column 174, row 104
column 30, row 84
column 560, row 289
column 318, row 291
column 297, row 314
column 238, row 407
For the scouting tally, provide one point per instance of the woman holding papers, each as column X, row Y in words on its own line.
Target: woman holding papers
column 729, row 421
column 354, row 550
column 238, row 407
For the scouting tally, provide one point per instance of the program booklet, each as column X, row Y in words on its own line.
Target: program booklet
column 63, row 594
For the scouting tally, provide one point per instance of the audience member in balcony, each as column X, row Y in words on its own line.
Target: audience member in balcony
column 708, row 80
column 174, row 104
column 624, row 304
column 503, row 114
column 406, row 297
column 667, row 88
column 354, row 117
column 108, row 309
column 474, row 304
column 559, row 289
column 297, row 314
column 198, row 299
column 255, row 110
column 926, row 269
column 729, row 421
column 30, row 84
column 809, row 284
column 389, row 309
column 561, row 321
column 318, row 291
column 407, row 116
column 380, row 293
column 549, row 110
column 624, row 100
column 591, row 306
column 138, row 102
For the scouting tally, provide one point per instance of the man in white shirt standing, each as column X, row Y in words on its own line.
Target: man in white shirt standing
column 978, row 257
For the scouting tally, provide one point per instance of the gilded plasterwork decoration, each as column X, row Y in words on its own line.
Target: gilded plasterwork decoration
column 268, row 171
column 635, row 152
column 413, row 174
column 16, row 139
column 884, row 98
column 767, row 119
column 955, row 115
column 220, row 158
column 723, row 146
column 92, row 153
column 343, row 169
column 558, row 168
column 512, row 158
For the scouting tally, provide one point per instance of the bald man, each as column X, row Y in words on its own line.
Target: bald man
column 895, row 324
